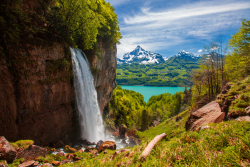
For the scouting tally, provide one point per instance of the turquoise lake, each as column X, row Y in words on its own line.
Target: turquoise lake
column 148, row 91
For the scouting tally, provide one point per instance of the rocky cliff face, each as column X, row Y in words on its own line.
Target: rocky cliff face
column 36, row 92
column 35, row 96
column 104, row 71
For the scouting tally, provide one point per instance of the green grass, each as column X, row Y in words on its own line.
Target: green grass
column 241, row 92
column 224, row 144
column 22, row 144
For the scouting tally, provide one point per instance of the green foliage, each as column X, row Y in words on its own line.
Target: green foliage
column 81, row 22
column 22, row 144
column 17, row 162
column 78, row 23
column 128, row 107
column 240, row 95
column 224, row 144
column 237, row 62
column 173, row 73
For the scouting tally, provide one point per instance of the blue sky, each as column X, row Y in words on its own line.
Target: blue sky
column 168, row 26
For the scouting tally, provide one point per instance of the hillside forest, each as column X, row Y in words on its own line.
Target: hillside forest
column 172, row 73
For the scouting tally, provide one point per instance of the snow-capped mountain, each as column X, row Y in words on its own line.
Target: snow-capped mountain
column 141, row 56
column 187, row 56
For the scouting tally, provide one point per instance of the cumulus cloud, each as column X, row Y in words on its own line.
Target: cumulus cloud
column 200, row 50
column 165, row 28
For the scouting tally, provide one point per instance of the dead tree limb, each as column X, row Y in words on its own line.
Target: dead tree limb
column 151, row 145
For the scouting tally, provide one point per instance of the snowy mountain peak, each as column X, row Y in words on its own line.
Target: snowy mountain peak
column 187, row 56
column 141, row 56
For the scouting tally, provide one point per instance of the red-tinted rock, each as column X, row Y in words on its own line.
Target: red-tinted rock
column 7, row 152
column 27, row 164
column 69, row 149
column 124, row 150
column 81, row 150
column 116, row 134
column 122, row 130
column 89, row 149
column 65, row 161
column 4, row 164
column 107, row 145
column 132, row 132
column 210, row 113
column 36, row 163
column 47, row 165
column 56, row 163
column 70, row 156
column 61, row 154
column 32, row 152
column 98, row 144
column 243, row 118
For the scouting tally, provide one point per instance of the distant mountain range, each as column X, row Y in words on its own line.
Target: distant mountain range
column 141, row 56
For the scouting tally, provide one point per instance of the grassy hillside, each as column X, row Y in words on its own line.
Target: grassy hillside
column 224, row 144
column 174, row 72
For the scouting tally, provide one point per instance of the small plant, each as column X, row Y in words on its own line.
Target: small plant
column 22, row 144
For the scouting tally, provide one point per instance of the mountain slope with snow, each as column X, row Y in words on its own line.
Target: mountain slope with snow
column 141, row 56
column 187, row 56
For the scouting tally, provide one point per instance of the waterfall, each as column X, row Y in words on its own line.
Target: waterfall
column 91, row 123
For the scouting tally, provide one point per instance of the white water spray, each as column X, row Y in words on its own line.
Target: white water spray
column 91, row 122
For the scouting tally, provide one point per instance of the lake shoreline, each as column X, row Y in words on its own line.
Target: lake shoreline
column 149, row 91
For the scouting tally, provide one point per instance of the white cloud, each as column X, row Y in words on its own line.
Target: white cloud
column 117, row 2
column 185, row 12
column 185, row 24
column 200, row 50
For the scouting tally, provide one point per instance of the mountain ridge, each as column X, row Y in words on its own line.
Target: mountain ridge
column 141, row 56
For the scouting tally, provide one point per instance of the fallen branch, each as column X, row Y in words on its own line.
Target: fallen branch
column 151, row 145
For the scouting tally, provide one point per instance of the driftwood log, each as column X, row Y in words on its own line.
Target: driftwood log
column 151, row 145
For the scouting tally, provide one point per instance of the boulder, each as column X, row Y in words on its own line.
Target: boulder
column 122, row 130
column 107, row 145
column 70, row 156
column 61, row 154
column 210, row 113
column 36, row 163
column 243, row 118
column 4, row 164
column 69, row 149
column 7, row 152
column 65, row 161
column 116, row 134
column 56, row 163
column 32, row 152
column 98, row 144
column 132, row 132
column 27, row 164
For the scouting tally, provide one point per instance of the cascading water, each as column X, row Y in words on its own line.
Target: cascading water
column 91, row 122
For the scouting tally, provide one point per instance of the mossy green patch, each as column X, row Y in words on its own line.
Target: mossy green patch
column 22, row 144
